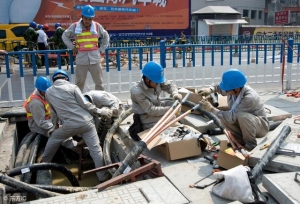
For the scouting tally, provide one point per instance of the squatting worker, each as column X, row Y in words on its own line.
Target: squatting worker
column 246, row 119
column 86, row 33
column 38, row 113
column 69, row 105
column 145, row 95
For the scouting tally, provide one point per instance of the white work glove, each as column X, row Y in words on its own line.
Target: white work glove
column 206, row 106
column 177, row 97
column 106, row 112
column 204, row 91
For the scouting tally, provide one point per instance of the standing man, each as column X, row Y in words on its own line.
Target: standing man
column 31, row 37
column 38, row 112
column 42, row 42
column 86, row 33
column 146, row 102
column 68, row 104
column 246, row 119
column 58, row 42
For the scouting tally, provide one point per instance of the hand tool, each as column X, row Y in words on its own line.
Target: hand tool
column 204, row 186
column 193, row 185
column 211, row 161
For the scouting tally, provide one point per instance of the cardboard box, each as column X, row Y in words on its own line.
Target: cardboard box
column 195, row 98
column 228, row 161
column 174, row 150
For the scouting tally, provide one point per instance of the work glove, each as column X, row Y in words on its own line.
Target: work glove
column 177, row 97
column 105, row 112
column 204, row 91
column 206, row 106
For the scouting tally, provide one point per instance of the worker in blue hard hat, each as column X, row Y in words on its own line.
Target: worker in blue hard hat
column 147, row 105
column 38, row 112
column 31, row 38
column 86, row 32
column 76, row 114
column 246, row 119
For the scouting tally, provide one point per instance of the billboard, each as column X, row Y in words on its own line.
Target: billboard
column 127, row 17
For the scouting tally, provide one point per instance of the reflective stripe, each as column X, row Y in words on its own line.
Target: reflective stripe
column 88, row 40
column 46, row 105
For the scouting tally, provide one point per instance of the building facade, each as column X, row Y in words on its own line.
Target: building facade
column 252, row 10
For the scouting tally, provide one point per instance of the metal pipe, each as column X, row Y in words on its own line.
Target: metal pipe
column 166, row 117
column 160, row 125
column 26, row 187
column 45, row 166
column 262, row 163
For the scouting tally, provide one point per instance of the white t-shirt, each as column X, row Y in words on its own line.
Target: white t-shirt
column 42, row 37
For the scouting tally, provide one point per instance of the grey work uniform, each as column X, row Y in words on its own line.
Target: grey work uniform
column 68, row 104
column 146, row 101
column 104, row 99
column 37, row 123
column 248, row 120
column 90, row 60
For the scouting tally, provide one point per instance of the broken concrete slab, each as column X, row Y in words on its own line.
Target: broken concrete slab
column 282, row 187
column 279, row 163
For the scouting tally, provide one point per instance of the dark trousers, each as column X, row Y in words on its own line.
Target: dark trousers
column 42, row 47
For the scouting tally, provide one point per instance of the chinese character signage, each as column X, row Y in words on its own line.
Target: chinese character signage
column 282, row 17
column 114, row 15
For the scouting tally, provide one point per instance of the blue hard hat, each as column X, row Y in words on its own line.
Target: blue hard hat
column 154, row 72
column 42, row 83
column 60, row 73
column 32, row 24
column 88, row 11
column 233, row 79
column 40, row 26
column 56, row 25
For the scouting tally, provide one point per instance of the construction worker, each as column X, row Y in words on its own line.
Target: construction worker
column 31, row 37
column 58, row 42
column 38, row 112
column 68, row 104
column 42, row 42
column 246, row 119
column 86, row 32
column 104, row 99
column 145, row 95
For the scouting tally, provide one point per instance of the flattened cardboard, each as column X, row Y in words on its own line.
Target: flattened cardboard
column 195, row 98
column 174, row 150
column 228, row 161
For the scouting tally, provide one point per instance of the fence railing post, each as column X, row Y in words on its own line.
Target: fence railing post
column 162, row 54
column 289, row 64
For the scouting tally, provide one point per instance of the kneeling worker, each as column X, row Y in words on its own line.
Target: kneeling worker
column 246, row 119
column 38, row 112
column 145, row 95
column 69, row 105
